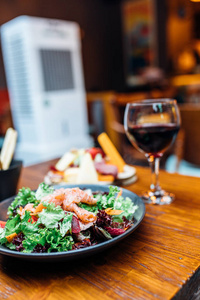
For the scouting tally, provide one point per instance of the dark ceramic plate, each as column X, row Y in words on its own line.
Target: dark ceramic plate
column 139, row 215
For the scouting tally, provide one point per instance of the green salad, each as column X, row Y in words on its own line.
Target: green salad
column 56, row 220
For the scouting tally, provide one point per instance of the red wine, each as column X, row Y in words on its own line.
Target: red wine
column 152, row 138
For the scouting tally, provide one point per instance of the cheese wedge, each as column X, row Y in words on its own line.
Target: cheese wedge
column 71, row 174
column 8, row 148
column 111, row 151
column 65, row 161
column 87, row 172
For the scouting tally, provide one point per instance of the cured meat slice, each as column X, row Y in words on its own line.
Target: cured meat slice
column 106, row 169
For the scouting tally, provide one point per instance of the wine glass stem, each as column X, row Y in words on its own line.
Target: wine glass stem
column 154, row 163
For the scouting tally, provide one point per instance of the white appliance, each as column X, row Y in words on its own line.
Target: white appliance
column 43, row 66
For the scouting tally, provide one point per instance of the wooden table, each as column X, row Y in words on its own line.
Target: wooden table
column 160, row 260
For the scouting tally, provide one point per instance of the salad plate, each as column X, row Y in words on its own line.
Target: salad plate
column 83, row 252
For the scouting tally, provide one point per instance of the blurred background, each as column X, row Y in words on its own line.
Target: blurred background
column 129, row 50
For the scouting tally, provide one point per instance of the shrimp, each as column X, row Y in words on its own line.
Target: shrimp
column 68, row 200
column 75, row 195
column 57, row 197
column 82, row 214
column 28, row 207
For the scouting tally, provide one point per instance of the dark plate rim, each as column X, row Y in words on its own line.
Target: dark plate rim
column 88, row 250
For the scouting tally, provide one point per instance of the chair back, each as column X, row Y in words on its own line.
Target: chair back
column 190, row 124
column 116, row 106
column 117, row 103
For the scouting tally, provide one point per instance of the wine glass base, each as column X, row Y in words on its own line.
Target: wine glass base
column 158, row 198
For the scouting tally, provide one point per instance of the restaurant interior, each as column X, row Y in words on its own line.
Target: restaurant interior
column 130, row 51
column 83, row 213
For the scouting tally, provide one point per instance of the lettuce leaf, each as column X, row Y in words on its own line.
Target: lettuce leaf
column 43, row 190
column 66, row 225
column 32, row 240
column 107, row 201
column 51, row 237
column 28, row 227
column 121, row 203
column 51, row 215
column 91, row 208
column 57, row 242
column 13, row 225
column 127, row 206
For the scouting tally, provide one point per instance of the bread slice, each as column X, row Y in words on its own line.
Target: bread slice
column 65, row 161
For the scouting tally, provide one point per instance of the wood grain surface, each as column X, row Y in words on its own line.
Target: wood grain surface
column 160, row 260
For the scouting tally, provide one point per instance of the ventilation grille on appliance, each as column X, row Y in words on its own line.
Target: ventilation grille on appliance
column 57, row 69
column 18, row 73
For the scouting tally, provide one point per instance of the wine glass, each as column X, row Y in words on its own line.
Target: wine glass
column 152, row 126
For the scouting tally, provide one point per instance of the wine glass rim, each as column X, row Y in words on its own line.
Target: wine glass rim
column 153, row 101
